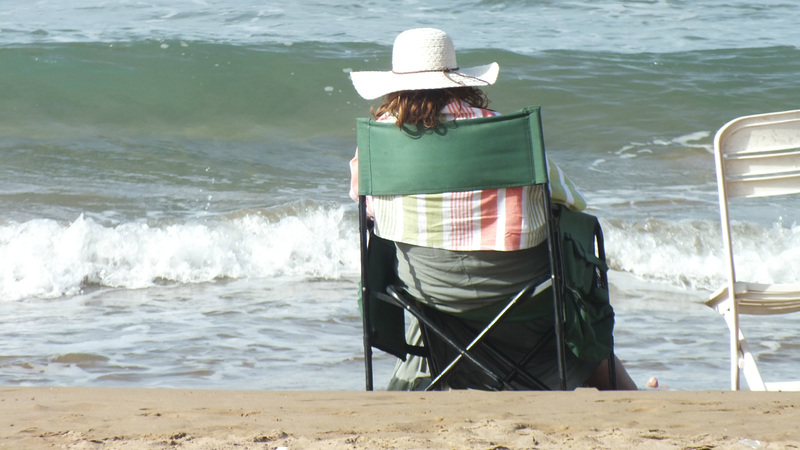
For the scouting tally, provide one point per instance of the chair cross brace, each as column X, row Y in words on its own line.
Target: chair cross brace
column 531, row 289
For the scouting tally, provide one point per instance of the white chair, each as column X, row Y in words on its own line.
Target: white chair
column 756, row 156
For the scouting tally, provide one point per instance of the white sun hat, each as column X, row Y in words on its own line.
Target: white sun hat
column 422, row 58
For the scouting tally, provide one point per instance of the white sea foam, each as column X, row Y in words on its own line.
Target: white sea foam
column 46, row 259
column 694, row 140
column 689, row 253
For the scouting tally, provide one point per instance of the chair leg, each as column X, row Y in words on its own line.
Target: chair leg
column 749, row 367
column 612, row 371
column 556, row 269
column 742, row 360
column 363, row 227
column 560, row 343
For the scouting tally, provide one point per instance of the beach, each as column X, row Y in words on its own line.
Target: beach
column 174, row 208
column 70, row 417
column 179, row 256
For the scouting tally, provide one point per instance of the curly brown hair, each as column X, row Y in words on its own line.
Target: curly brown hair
column 424, row 106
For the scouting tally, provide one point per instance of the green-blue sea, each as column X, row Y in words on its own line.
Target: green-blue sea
column 173, row 177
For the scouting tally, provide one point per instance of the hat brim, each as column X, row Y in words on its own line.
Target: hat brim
column 372, row 85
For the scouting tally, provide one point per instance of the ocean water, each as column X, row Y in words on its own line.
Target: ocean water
column 173, row 177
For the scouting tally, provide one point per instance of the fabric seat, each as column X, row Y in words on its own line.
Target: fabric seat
column 756, row 156
column 479, row 154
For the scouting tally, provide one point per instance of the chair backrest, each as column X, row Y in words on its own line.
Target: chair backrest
column 483, row 153
column 759, row 155
column 756, row 156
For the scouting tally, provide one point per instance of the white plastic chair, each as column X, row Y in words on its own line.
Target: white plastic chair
column 756, row 156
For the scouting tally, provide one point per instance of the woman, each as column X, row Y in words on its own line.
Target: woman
column 494, row 238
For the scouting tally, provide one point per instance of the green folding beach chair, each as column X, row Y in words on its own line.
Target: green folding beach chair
column 477, row 154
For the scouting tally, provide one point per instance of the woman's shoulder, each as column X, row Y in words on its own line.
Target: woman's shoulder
column 459, row 110
column 386, row 117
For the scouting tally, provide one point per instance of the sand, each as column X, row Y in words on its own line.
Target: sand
column 85, row 418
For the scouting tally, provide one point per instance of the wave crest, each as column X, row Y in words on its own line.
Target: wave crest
column 45, row 259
